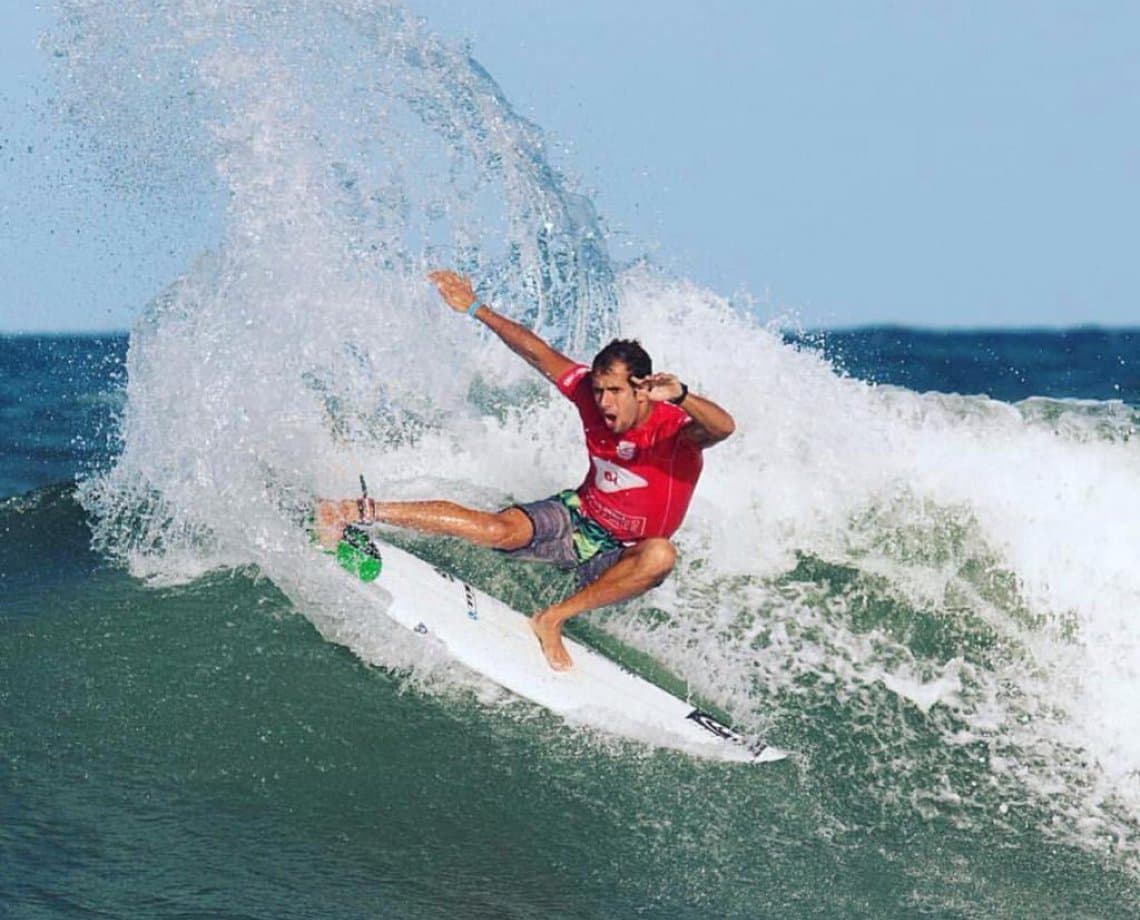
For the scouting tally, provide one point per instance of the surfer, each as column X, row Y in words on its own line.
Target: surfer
column 645, row 433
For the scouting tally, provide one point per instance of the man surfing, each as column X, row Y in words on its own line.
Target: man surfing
column 645, row 434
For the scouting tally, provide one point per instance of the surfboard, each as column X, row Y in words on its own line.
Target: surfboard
column 489, row 637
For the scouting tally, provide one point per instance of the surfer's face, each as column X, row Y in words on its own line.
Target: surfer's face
column 622, row 405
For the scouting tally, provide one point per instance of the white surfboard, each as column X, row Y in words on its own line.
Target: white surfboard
column 489, row 637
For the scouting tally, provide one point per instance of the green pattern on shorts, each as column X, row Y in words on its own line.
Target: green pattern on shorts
column 589, row 537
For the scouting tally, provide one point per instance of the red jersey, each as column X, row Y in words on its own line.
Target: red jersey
column 640, row 482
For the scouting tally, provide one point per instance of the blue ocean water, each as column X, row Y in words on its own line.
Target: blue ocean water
column 912, row 565
column 1010, row 365
column 59, row 397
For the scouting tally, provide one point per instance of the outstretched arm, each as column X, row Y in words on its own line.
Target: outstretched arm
column 456, row 290
column 710, row 423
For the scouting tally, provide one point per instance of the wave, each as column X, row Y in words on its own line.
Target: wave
column 935, row 588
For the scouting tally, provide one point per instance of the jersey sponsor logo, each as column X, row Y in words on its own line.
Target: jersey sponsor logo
column 609, row 477
column 628, row 526
column 626, row 450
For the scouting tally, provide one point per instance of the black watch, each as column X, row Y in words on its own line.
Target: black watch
column 677, row 400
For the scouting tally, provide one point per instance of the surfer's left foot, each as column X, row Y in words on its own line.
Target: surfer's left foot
column 550, row 639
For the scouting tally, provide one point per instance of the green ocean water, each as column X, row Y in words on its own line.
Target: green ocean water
column 201, row 751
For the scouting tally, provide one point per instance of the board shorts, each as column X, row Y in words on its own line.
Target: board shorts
column 567, row 538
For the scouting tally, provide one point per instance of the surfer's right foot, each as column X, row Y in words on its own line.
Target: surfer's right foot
column 550, row 639
column 330, row 520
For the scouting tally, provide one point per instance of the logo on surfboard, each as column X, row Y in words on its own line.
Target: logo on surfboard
column 710, row 723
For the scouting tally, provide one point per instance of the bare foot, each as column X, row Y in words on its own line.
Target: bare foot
column 550, row 639
column 329, row 523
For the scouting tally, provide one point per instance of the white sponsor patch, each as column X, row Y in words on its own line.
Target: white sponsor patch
column 626, row 450
column 609, row 477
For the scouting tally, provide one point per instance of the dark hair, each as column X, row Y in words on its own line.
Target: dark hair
column 627, row 351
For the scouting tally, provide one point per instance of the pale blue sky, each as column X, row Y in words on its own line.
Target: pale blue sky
column 936, row 164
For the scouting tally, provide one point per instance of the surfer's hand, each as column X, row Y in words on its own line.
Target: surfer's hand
column 455, row 289
column 660, row 387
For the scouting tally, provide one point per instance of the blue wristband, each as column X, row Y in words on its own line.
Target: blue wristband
column 475, row 305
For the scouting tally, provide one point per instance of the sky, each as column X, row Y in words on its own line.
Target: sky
column 934, row 164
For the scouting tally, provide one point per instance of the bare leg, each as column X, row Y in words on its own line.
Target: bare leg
column 507, row 529
column 641, row 567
